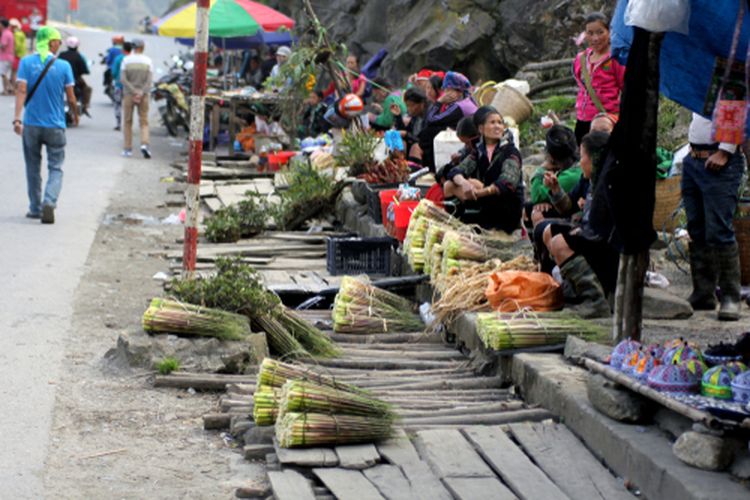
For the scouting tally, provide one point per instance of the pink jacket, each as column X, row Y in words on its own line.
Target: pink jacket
column 607, row 79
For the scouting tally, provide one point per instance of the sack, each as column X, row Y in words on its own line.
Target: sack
column 510, row 291
column 661, row 16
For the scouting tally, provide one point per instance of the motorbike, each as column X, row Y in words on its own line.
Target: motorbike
column 79, row 104
column 172, row 89
column 107, row 80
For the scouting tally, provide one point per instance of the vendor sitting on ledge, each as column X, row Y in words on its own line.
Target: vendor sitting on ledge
column 489, row 180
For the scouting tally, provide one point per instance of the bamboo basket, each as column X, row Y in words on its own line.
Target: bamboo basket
column 742, row 233
column 668, row 197
column 511, row 103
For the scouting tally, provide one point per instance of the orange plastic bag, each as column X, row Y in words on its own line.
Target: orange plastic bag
column 510, row 291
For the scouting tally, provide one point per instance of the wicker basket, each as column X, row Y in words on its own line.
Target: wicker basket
column 510, row 102
column 742, row 233
column 668, row 196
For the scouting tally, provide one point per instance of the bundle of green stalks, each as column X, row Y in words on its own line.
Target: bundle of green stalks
column 171, row 316
column 275, row 373
column 299, row 396
column 296, row 430
column 266, row 404
column 280, row 340
column 360, row 307
column 436, row 260
column 463, row 290
column 522, row 330
column 315, row 342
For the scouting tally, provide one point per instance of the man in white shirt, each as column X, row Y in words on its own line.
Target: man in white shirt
column 136, row 73
column 711, row 177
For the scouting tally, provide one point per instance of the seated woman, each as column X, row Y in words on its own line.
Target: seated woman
column 586, row 260
column 490, row 178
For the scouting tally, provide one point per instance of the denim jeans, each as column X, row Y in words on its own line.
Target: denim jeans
column 710, row 198
column 33, row 140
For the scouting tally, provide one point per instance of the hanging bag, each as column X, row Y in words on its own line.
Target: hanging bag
column 39, row 80
column 587, row 82
column 730, row 112
column 659, row 16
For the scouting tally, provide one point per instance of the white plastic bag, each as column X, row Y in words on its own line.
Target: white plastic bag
column 659, row 15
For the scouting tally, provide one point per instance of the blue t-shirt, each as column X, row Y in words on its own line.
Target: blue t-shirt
column 116, row 67
column 47, row 106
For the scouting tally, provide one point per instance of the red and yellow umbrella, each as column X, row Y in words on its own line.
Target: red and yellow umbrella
column 227, row 18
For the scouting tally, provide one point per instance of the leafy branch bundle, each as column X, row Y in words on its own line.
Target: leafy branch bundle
column 246, row 218
column 515, row 331
column 356, row 150
column 237, row 287
column 360, row 307
column 170, row 316
column 310, row 192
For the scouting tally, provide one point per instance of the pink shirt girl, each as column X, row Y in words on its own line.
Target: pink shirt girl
column 607, row 80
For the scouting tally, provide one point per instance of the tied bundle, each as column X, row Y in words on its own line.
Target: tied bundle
column 299, row 396
column 295, row 430
column 171, row 316
column 274, row 373
column 360, row 307
column 521, row 330
column 266, row 404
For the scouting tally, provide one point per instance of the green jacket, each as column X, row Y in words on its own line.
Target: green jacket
column 385, row 119
column 567, row 178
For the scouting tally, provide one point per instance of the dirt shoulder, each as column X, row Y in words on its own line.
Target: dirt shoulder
column 113, row 434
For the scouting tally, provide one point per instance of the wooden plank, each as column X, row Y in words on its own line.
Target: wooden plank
column 213, row 203
column 348, row 484
column 400, row 451
column 524, row 478
column 450, row 455
column 290, row 485
column 306, row 457
column 478, row 488
column 391, row 482
column 553, row 448
column 357, row 456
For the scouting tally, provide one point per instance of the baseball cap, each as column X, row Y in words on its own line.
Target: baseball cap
column 284, row 51
column 138, row 43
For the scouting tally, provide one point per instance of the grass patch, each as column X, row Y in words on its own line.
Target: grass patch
column 168, row 365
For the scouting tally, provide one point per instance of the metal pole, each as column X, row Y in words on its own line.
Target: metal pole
column 197, row 105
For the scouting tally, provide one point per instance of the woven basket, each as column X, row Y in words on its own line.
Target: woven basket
column 510, row 102
column 668, row 196
column 742, row 233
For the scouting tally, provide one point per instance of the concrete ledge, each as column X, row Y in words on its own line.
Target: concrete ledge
column 640, row 454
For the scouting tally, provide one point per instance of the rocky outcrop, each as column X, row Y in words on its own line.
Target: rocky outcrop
column 486, row 39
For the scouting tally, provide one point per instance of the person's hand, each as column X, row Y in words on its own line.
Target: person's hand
column 718, row 160
column 551, row 181
column 137, row 98
column 542, row 208
column 581, row 203
column 466, row 191
column 377, row 108
column 18, row 128
column 76, row 119
column 416, row 151
column 395, row 109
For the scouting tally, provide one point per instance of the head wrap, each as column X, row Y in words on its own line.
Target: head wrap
column 561, row 143
column 454, row 80
column 43, row 37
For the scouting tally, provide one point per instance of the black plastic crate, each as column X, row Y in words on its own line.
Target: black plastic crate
column 373, row 199
column 359, row 255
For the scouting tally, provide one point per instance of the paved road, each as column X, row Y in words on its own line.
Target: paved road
column 41, row 265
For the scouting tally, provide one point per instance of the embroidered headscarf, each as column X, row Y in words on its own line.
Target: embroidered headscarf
column 43, row 37
column 455, row 80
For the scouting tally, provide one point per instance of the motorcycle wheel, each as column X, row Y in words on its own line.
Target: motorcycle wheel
column 170, row 121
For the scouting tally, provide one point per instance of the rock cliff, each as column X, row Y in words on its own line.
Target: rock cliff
column 487, row 39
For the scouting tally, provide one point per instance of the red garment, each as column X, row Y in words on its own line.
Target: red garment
column 355, row 82
column 607, row 79
column 435, row 195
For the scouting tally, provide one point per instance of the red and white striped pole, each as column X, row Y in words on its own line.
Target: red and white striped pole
column 197, row 105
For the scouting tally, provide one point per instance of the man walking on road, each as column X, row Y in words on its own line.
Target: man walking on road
column 136, row 74
column 47, row 80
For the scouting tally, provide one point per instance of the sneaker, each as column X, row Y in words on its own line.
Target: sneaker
column 48, row 214
column 117, row 128
column 145, row 151
column 127, row 153
column 33, row 215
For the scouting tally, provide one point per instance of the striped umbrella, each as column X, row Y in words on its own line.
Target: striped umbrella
column 226, row 18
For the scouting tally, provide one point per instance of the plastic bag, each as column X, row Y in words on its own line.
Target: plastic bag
column 659, row 15
column 510, row 291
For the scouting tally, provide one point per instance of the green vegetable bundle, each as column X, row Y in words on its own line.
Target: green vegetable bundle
column 362, row 308
column 170, row 316
column 306, row 396
column 294, row 430
column 275, row 373
column 515, row 331
column 266, row 404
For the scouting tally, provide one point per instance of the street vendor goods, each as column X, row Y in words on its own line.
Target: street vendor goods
column 673, row 378
column 717, row 381
column 741, row 388
column 520, row 330
column 510, row 291
column 622, row 351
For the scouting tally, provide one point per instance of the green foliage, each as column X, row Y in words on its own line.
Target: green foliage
column 309, row 192
column 243, row 220
column 168, row 365
column 672, row 124
column 563, row 106
column 356, row 150
column 236, row 287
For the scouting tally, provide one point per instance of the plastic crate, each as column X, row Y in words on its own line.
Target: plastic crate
column 373, row 199
column 359, row 256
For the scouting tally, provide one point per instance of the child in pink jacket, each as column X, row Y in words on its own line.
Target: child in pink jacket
column 606, row 75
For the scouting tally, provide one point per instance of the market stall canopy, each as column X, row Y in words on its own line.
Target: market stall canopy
column 692, row 65
column 227, row 19
column 273, row 38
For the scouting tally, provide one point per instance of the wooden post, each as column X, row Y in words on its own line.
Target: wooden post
column 197, row 107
